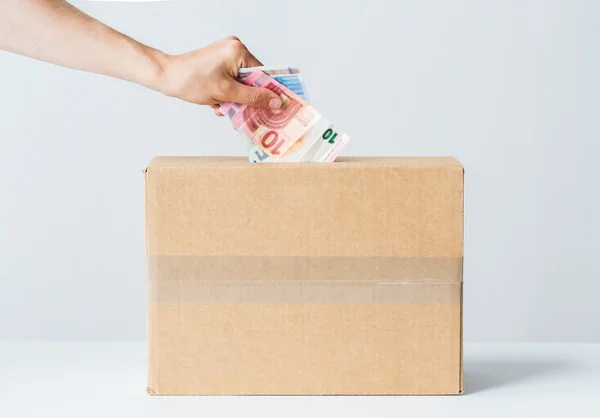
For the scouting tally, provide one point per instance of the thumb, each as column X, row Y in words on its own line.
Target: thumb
column 254, row 96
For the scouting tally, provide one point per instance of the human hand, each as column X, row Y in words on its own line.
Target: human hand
column 207, row 76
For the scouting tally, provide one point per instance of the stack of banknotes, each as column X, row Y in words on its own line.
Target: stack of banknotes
column 295, row 133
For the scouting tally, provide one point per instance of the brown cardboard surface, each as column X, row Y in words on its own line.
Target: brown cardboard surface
column 342, row 278
column 259, row 349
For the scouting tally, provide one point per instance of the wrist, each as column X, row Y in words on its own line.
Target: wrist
column 154, row 74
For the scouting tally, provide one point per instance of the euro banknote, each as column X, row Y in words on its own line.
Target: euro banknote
column 288, row 76
column 275, row 131
column 330, row 142
column 296, row 133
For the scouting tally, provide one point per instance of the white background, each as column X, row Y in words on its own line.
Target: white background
column 510, row 88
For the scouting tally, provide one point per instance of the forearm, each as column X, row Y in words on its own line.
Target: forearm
column 54, row 31
column 57, row 32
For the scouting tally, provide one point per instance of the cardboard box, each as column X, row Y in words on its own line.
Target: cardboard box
column 340, row 278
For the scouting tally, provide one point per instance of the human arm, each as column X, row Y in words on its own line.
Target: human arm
column 57, row 32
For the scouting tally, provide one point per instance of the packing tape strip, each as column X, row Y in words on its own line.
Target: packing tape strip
column 267, row 279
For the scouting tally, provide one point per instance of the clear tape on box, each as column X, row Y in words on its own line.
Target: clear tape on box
column 304, row 279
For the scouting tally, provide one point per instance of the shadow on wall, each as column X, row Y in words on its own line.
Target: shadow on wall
column 482, row 375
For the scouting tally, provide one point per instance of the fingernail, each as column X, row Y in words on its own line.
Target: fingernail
column 274, row 103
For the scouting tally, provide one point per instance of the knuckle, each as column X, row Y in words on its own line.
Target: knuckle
column 233, row 38
column 254, row 98
column 236, row 47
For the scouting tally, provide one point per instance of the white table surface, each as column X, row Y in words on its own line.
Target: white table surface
column 85, row 380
